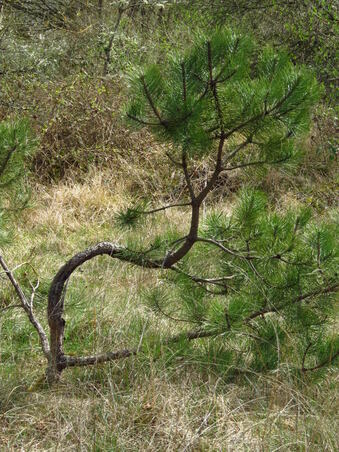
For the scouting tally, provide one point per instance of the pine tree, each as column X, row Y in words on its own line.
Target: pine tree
column 261, row 283
column 267, row 276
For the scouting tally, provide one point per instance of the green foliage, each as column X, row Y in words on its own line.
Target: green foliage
column 15, row 147
column 273, row 97
column 131, row 216
column 280, row 285
column 247, row 211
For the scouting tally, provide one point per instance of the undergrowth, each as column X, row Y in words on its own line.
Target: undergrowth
column 168, row 398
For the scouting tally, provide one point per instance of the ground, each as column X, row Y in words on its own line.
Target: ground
column 158, row 400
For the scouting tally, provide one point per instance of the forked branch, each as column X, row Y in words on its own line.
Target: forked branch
column 28, row 308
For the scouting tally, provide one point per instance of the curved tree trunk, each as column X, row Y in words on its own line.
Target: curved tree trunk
column 58, row 360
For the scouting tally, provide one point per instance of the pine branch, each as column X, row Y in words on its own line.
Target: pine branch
column 4, row 164
column 187, row 177
column 71, row 361
column 184, row 87
column 68, row 361
column 141, row 121
column 238, row 149
column 214, row 281
column 263, row 114
column 217, row 78
column 214, row 178
column 330, row 289
column 151, row 103
column 257, row 163
column 304, row 356
column 213, row 85
column 226, row 250
column 175, row 162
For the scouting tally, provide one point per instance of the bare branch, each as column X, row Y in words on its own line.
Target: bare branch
column 160, row 209
column 12, row 306
column 26, row 305
column 322, row 364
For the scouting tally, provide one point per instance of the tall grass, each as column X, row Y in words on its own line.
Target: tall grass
column 166, row 399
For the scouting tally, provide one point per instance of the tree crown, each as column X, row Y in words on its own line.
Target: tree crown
column 223, row 88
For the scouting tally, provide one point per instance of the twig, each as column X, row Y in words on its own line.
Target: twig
column 108, row 48
column 259, row 162
column 322, row 364
column 329, row 289
column 160, row 209
column 25, row 304
column 151, row 103
column 223, row 248
column 141, row 121
column 7, row 308
column 304, row 356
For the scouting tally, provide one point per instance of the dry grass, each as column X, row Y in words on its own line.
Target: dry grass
column 136, row 408
column 143, row 403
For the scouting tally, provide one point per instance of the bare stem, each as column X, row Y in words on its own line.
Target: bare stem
column 160, row 209
column 28, row 308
